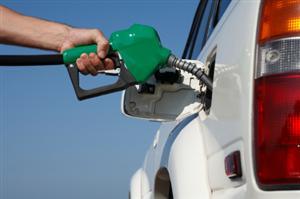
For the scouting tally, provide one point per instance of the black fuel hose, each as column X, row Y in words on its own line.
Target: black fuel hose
column 190, row 68
column 30, row 60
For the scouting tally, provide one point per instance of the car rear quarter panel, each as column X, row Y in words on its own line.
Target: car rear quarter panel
column 228, row 127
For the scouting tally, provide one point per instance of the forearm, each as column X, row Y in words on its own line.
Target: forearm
column 31, row 32
column 37, row 33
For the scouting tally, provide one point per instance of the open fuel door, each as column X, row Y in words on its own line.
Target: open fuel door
column 167, row 96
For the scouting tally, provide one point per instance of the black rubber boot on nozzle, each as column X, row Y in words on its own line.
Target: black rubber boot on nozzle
column 190, row 68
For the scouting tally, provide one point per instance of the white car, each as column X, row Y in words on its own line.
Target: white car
column 242, row 139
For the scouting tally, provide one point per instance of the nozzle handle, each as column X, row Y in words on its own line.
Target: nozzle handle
column 125, row 78
column 124, row 81
column 71, row 55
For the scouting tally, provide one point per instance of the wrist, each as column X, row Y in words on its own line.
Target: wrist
column 67, row 31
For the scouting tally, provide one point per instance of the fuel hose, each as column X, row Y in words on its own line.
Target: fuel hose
column 190, row 68
column 31, row 60
column 67, row 57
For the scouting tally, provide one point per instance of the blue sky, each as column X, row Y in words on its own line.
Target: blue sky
column 53, row 146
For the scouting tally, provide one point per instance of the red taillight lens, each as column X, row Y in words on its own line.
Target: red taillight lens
column 277, row 129
column 277, row 96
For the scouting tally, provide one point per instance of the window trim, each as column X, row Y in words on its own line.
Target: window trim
column 191, row 41
column 197, row 17
column 197, row 29
column 212, row 23
column 205, row 37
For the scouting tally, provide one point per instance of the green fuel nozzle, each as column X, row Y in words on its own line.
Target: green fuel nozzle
column 138, row 47
column 137, row 54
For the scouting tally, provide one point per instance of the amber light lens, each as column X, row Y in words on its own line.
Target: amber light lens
column 277, row 129
column 279, row 18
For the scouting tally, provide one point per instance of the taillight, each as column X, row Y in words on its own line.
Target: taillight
column 280, row 18
column 277, row 96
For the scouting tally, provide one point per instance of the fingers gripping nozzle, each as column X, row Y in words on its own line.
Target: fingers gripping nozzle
column 190, row 68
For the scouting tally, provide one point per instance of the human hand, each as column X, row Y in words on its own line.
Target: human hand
column 93, row 62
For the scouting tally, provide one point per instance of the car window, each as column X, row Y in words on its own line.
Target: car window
column 222, row 8
column 201, row 32
column 208, row 15
column 188, row 46
column 213, row 21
